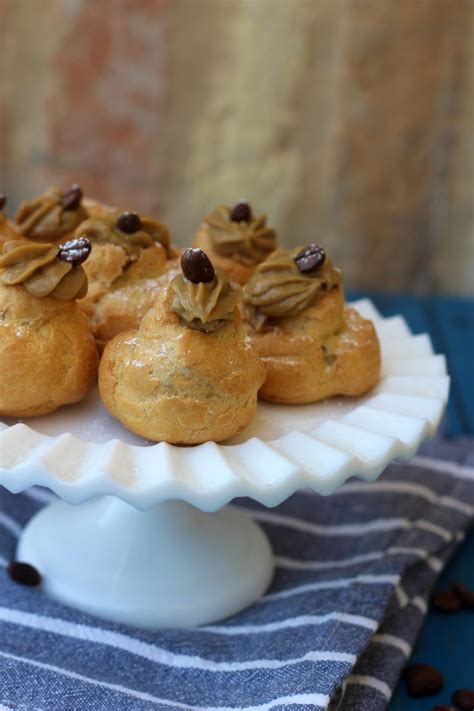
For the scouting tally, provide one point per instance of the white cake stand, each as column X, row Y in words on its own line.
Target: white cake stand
column 141, row 535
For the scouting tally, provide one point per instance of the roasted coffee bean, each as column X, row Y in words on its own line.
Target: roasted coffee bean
column 197, row 266
column 129, row 222
column 465, row 594
column 310, row 258
column 3, row 201
column 446, row 601
column 75, row 251
column 241, row 212
column 463, row 699
column 72, row 197
column 422, row 680
column 24, row 573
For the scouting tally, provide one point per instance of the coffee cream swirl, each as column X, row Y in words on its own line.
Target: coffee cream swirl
column 36, row 267
column 246, row 242
column 104, row 230
column 45, row 218
column 278, row 289
column 205, row 306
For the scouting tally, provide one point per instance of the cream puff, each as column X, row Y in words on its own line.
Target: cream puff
column 96, row 209
column 188, row 374
column 48, row 354
column 131, row 260
column 52, row 217
column 236, row 240
column 7, row 228
column 313, row 346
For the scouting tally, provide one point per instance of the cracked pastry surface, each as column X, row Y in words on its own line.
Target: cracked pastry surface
column 187, row 375
column 47, row 351
column 313, row 346
column 126, row 270
column 235, row 240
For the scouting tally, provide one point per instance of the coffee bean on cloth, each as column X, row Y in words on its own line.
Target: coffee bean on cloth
column 463, row 699
column 353, row 578
column 24, row 574
column 464, row 594
column 446, row 601
column 423, row 680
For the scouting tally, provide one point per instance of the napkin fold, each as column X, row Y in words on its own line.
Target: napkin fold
column 354, row 573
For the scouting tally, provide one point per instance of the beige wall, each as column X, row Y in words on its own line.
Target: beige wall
column 348, row 121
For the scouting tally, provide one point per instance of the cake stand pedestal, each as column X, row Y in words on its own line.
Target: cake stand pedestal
column 170, row 566
column 143, row 534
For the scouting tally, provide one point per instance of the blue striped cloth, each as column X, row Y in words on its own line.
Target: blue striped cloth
column 354, row 572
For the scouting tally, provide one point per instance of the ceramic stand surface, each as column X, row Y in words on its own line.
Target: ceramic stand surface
column 170, row 566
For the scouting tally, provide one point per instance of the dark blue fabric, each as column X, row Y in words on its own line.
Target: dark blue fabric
column 333, row 631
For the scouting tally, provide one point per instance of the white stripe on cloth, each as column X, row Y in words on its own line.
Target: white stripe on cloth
column 294, row 564
column 10, row 524
column 434, row 563
column 152, row 653
column 393, row 641
column 350, row 529
column 402, row 597
column 418, row 602
column 404, row 600
column 346, row 618
column 404, row 487
column 315, row 699
column 372, row 681
column 461, row 471
column 329, row 584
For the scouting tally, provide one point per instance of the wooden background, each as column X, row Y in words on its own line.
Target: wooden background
column 348, row 121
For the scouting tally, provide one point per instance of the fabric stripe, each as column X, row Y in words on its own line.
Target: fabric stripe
column 393, row 641
column 293, row 564
column 443, row 466
column 313, row 700
column 154, row 653
column 404, row 487
column 96, row 682
column 373, row 682
column 420, row 604
column 345, row 618
column 333, row 584
column 355, row 529
column 10, row 524
column 316, row 699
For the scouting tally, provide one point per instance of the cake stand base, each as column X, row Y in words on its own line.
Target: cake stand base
column 170, row 566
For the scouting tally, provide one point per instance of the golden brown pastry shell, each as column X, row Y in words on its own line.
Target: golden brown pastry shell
column 96, row 209
column 327, row 350
column 167, row 382
column 121, row 291
column 236, row 271
column 48, row 355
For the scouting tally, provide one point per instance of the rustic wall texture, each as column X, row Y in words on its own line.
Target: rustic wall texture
column 348, row 121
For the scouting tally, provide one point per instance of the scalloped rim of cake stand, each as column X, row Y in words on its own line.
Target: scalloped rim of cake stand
column 390, row 423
